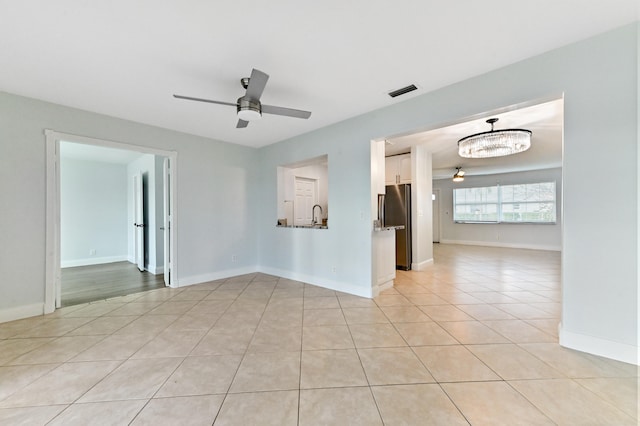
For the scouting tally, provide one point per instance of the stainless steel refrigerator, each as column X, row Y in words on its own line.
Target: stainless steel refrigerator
column 397, row 212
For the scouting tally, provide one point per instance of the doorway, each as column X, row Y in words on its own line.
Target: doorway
column 162, row 235
column 306, row 196
column 84, row 284
column 435, row 197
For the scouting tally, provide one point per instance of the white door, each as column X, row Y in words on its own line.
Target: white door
column 305, row 198
column 166, row 227
column 436, row 215
column 138, row 215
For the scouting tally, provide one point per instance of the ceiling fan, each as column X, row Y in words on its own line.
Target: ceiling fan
column 248, row 106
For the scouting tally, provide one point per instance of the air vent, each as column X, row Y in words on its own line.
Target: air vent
column 403, row 90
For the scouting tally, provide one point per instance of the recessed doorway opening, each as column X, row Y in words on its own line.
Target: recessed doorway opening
column 110, row 219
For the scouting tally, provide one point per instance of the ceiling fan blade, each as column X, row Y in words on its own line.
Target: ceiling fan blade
column 289, row 112
column 241, row 124
column 189, row 98
column 257, row 81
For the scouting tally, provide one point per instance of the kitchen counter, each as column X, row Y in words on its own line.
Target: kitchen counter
column 387, row 228
column 304, row 226
column 384, row 258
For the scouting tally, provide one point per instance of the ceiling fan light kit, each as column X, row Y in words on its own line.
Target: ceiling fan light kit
column 249, row 110
column 494, row 143
column 248, row 106
column 459, row 175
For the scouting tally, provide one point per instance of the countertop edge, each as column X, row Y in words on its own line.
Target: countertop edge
column 388, row 228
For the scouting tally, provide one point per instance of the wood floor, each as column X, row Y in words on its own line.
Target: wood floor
column 84, row 284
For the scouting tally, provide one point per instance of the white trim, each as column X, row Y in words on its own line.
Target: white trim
column 504, row 245
column 436, row 192
column 320, row 282
column 227, row 273
column 597, row 346
column 20, row 312
column 421, row 266
column 92, row 261
column 52, row 223
column 381, row 287
column 52, row 220
column 69, row 137
column 155, row 270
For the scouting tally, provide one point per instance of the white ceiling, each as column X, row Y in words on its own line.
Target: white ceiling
column 545, row 120
column 335, row 58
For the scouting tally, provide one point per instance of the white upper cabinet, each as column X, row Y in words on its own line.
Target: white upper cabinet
column 398, row 169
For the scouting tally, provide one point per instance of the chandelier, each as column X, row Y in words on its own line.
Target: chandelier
column 494, row 143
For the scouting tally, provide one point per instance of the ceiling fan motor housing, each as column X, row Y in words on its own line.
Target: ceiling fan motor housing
column 248, row 109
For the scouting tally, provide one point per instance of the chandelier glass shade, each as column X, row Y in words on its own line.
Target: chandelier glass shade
column 494, row 143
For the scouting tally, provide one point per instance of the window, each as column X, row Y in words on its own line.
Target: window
column 523, row 203
column 475, row 204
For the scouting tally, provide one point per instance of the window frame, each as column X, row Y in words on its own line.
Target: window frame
column 500, row 203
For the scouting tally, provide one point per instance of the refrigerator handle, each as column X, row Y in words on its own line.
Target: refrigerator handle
column 381, row 209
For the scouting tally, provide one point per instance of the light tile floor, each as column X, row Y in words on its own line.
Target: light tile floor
column 470, row 340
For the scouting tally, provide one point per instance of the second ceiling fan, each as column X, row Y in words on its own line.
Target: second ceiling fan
column 249, row 106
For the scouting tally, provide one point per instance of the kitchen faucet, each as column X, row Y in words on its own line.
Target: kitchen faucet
column 313, row 216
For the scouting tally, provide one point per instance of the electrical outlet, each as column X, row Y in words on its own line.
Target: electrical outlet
column 234, row 258
column 92, row 252
column 334, row 269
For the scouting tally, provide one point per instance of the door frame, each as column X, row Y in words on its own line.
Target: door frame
column 167, row 220
column 52, row 228
column 436, row 215
column 138, row 219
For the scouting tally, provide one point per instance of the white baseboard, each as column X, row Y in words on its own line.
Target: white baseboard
column 199, row 279
column 92, row 261
column 154, row 269
column 602, row 347
column 375, row 292
column 319, row 281
column 20, row 312
column 503, row 245
column 421, row 266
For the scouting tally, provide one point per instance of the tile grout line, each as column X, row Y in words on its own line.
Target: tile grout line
column 226, row 394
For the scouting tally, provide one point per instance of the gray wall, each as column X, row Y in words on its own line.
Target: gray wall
column 93, row 212
column 599, row 80
column 338, row 257
column 215, row 192
column 541, row 236
column 227, row 194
